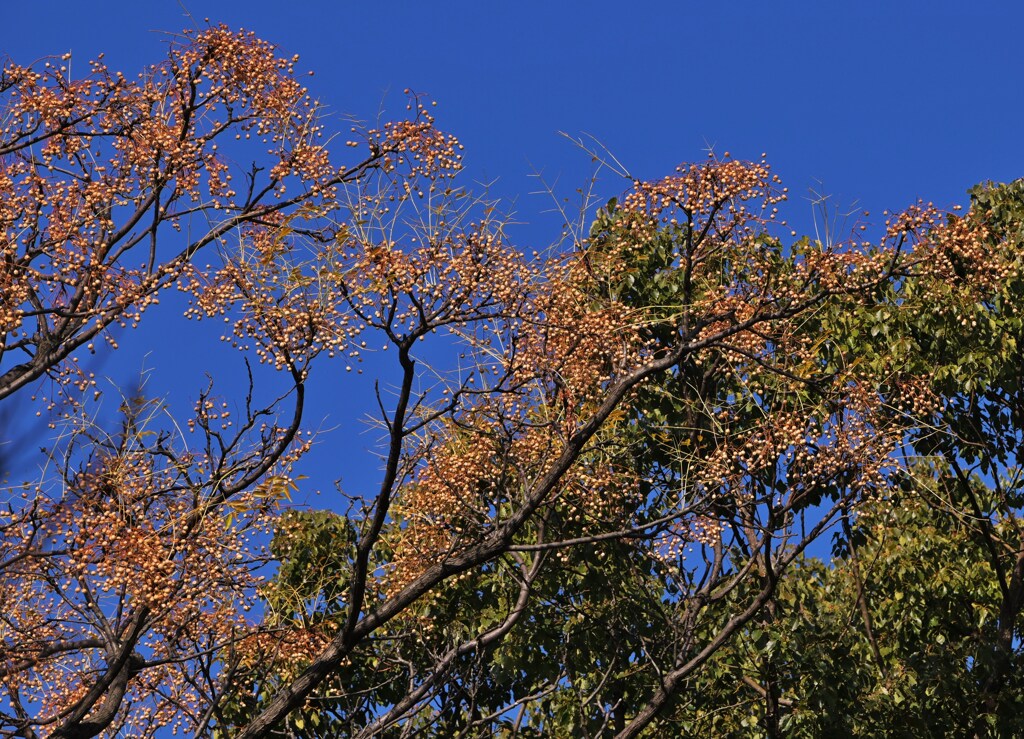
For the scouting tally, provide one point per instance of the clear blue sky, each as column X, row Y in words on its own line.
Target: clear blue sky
column 876, row 102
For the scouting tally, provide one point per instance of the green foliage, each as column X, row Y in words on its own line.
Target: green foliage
column 931, row 602
column 315, row 550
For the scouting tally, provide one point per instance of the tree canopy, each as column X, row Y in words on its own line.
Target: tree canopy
column 605, row 468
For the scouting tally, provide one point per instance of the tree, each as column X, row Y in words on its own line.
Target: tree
column 126, row 574
column 723, row 450
column 958, row 323
column 916, row 621
column 641, row 434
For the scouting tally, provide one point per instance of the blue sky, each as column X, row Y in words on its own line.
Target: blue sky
column 875, row 103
